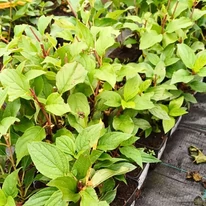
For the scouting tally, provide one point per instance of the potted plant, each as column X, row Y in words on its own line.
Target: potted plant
column 76, row 111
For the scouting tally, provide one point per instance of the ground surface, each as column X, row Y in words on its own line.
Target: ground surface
column 166, row 185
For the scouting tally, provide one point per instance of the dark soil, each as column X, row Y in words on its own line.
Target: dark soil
column 126, row 194
column 154, row 141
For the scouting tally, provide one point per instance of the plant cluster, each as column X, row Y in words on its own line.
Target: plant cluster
column 77, row 92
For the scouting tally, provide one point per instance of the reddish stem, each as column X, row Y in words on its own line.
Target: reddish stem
column 49, row 124
column 173, row 14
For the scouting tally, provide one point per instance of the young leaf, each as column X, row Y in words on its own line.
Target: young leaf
column 70, row 75
column 159, row 112
column 55, row 104
column 6, row 123
column 148, row 158
column 177, row 24
column 198, row 86
column 176, row 112
column 66, row 144
column 48, row 159
column 187, row 55
column 168, row 124
column 9, row 186
column 131, row 88
column 79, row 104
column 41, row 197
column 17, row 84
column 34, row 133
column 88, row 138
column 116, row 169
column 89, row 197
column 112, row 98
column 149, row 39
column 68, row 186
column 81, row 166
column 10, row 201
column 104, row 41
column 176, row 103
column 123, row 123
column 106, row 73
column 143, row 102
column 132, row 153
column 43, row 23
column 3, row 198
column 181, row 75
column 200, row 61
column 56, row 199
column 112, row 140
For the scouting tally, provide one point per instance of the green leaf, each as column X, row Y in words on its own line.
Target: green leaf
column 55, row 104
column 142, row 123
column 48, row 159
column 41, row 197
column 159, row 112
column 68, row 186
column 176, row 103
column 3, row 198
column 187, row 55
column 112, row 140
column 56, row 199
column 200, row 61
column 16, row 83
column 181, row 75
column 153, row 58
column 116, row 169
column 177, row 24
column 81, row 166
column 10, row 201
column 84, row 34
column 176, row 112
column 112, row 98
column 143, row 102
column 129, row 104
column 148, row 158
column 9, row 186
column 106, row 73
column 149, row 39
column 88, row 197
column 202, row 72
column 189, row 98
column 34, row 133
column 131, row 88
column 168, row 124
column 66, row 144
column 88, row 138
column 6, row 123
column 198, row 86
column 123, row 123
column 132, row 153
column 104, row 41
column 145, row 85
column 12, row 108
column 32, row 74
column 3, row 95
column 43, row 23
column 79, row 104
column 70, row 75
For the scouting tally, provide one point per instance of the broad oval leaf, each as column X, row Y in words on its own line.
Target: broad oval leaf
column 112, row 140
column 181, row 75
column 149, row 39
column 34, row 133
column 48, row 159
column 187, row 55
column 159, row 112
column 88, row 138
column 56, row 199
column 70, row 75
column 68, row 186
column 123, row 123
column 41, row 197
column 55, row 104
